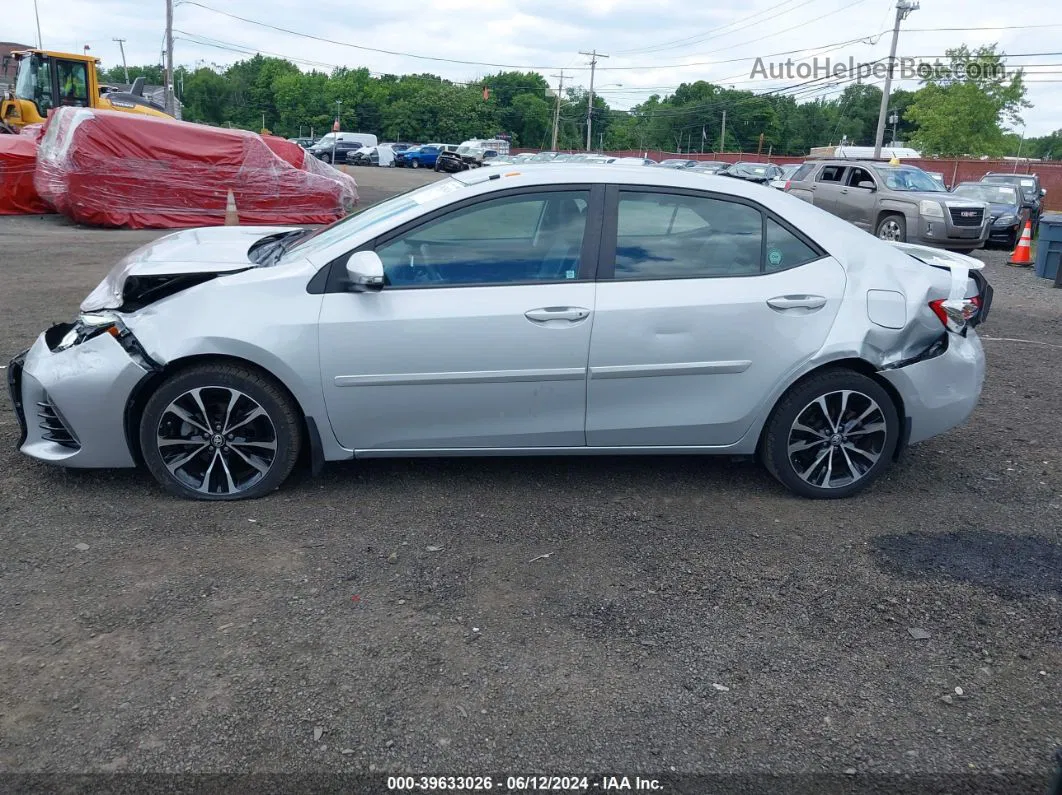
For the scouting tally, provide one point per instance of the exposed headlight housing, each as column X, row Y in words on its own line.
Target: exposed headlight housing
column 1006, row 220
column 89, row 325
column 928, row 208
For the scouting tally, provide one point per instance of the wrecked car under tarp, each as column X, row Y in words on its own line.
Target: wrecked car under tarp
column 105, row 168
column 18, row 161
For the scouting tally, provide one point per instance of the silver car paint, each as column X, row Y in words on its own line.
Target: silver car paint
column 265, row 316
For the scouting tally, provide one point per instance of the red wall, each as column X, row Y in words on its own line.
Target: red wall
column 954, row 169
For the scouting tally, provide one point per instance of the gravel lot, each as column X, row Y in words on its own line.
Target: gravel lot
column 542, row 616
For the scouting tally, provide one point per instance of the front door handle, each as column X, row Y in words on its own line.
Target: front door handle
column 785, row 302
column 572, row 314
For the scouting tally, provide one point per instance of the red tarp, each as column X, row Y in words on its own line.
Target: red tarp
column 109, row 168
column 18, row 158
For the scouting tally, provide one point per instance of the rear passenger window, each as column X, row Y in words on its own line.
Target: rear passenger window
column 784, row 249
column 663, row 236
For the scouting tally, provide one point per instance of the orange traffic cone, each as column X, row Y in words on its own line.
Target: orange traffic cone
column 232, row 217
column 1022, row 255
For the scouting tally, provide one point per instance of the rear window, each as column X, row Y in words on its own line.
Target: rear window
column 802, row 172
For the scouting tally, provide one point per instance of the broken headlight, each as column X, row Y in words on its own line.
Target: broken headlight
column 90, row 325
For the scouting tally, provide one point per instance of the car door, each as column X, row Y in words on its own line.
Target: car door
column 826, row 189
column 705, row 303
column 481, row 334
column 855, row 204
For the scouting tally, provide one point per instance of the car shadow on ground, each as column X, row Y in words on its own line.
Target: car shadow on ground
column 1014, row 566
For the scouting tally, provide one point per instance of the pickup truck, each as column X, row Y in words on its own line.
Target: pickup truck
column 418, row 156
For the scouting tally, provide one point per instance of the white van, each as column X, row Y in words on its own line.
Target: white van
column 365, row 139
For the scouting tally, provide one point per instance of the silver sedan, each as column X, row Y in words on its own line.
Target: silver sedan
column 528, row 310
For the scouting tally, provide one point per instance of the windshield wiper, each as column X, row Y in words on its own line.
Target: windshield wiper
column 269, row 250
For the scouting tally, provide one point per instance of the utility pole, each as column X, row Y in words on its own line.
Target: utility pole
column 594, row 55
column 169, row 58
column 40, row 43
column 894, row 119
column 556, row 110
column 722, row 137
column 903, row 9
column 121, row 46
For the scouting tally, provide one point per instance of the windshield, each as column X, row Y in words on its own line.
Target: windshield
column 910, row 179
column 326, row 140
column 34, row 81
column 994, row 194
column 749, row 169
column 464, row 149
column 356, row 222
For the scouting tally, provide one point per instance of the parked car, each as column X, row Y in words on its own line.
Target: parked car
column 761, row 173
column 634, row 161
column 399, row 147
column 543, row 157
column 382, row 155
column 899, row 203
column 343, row 142
column 677, row 162
column 471, row 154
column 709, row 166
column 358, row 156
column 782, row 180
column 456, row 319
column 1007, row 215
column 1032, row 192
column 419, row 156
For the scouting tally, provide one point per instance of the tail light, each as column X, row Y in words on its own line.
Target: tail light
column 955, row 315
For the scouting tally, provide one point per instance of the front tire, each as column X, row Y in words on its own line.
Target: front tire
column 220, row 432
column 832, row 435
column 414, row 164
column 892, row 228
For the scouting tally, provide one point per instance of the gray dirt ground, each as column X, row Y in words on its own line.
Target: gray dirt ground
column 542, row 616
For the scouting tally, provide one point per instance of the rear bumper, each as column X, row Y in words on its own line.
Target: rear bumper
column 71, row 404
column 940, row 393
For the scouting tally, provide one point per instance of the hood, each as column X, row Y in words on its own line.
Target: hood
column 1004, row 209
column 178, row 261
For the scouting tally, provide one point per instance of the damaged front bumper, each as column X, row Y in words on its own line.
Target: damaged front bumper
column 71, row 403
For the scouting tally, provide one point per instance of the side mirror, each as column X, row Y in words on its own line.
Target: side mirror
column 1043, row 191
column 868, row 185
column 365, row 272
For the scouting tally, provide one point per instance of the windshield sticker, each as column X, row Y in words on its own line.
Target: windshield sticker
column 774, row 256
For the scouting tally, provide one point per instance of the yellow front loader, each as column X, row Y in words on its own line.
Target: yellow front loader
column 46, row 80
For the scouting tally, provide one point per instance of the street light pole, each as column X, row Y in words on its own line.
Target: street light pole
column 335, row 134
column 556, row 109
column 121, row 46
column 903, row 9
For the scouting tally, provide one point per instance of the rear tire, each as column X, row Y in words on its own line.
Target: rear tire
column 892, row 228
column 220, row 432
column 831, row 435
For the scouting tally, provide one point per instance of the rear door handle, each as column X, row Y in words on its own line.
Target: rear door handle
column 785, row 302
column 572, row 314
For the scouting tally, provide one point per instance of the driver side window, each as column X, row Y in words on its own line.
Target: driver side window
column 512, row 240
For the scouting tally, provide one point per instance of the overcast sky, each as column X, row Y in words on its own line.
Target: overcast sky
column 653, row 46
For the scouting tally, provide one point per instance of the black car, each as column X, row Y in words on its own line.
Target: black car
column 1008, row 214
column 1032, row 192
column 342, row 149
column 753, row 172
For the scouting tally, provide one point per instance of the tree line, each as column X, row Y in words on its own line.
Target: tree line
column 956, row 111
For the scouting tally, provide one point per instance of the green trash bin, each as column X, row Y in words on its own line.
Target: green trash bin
column 1049, row 246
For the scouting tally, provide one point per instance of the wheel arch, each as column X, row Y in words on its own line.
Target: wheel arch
column 138, row 398
column 855, row 364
